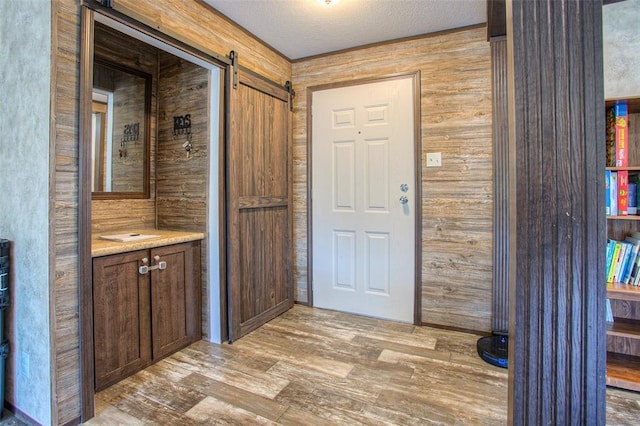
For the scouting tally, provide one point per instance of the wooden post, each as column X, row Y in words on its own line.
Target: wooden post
column 500, row 127
column 556, row 121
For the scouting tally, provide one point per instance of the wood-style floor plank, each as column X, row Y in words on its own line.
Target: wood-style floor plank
column 212, row 411
column 111, row 415
column 317, row 367
column 256, row 404
column 348, row 387
column 296, row 417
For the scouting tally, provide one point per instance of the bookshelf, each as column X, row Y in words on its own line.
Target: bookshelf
column 628, row 217
column 623, row 335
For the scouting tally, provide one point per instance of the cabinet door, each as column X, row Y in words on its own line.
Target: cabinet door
column 122, row 343
column 175, row 297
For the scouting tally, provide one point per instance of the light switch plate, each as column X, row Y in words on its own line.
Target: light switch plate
column 434, row 159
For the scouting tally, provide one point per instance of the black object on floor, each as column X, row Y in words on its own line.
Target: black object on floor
column 494, row 349
column 5, row 248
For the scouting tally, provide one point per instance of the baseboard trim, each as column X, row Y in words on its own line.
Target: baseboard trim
column 459, row 329
column 74, row 422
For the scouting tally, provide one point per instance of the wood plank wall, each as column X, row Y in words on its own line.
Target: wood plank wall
column 121, row 215
column 181, row 181
column 189, row 21
column 457, row 200
column 197, row 24
column 65, row 226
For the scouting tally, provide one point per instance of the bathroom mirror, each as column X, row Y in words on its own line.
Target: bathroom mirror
column 121, row 101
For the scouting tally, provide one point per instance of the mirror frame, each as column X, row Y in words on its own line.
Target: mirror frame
column 145, row 193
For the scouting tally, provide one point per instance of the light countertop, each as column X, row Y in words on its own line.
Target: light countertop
column 100, row 247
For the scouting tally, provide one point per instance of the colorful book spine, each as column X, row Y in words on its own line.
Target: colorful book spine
column 621, row 131
column 635, row 274
column 635, row 280
column 614, row 193
column 631, row 261
column 614, row 262
column 632, row 203
column 634, row 271
column 617, row 135
column 611, row 244
column 610, row 140
column 623, row 187
column 624, row 249
column 607, row 195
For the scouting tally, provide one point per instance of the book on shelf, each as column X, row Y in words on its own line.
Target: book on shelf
column 621, row 192
column 611, row 267
column 622, row 257
column 617, row 135
column 613, row 193
column 607, row 192
column 611, row 244
column 623, row 260
column 609, row 315
column 623, row 186
column 634, row 277
column 632, row 203
column 631, row 260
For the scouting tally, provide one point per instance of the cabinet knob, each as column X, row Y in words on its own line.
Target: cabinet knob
column 156, row 257
column 145, row 260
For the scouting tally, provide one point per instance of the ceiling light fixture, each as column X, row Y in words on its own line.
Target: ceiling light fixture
column 329, row 2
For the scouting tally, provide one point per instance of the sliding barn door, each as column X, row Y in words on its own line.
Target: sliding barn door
column 259, row 204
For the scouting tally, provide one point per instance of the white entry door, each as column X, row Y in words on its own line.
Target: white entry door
column 363, row 199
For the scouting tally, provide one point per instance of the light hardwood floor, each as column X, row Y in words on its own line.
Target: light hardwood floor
column 312, row 366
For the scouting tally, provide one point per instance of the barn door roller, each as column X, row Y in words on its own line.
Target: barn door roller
column 234, row 64
column 289, row 88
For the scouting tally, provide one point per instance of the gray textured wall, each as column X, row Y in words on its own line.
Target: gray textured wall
column 621, row 33
column 25, row 80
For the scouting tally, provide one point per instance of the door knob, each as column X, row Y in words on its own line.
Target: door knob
column 404, row 187
column 404, row 200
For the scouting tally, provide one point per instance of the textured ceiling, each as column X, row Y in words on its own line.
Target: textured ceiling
column 301, row 28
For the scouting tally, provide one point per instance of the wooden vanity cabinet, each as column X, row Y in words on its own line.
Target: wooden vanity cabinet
column 139, row 318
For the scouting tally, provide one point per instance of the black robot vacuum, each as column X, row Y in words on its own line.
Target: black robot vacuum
column 494, row 349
